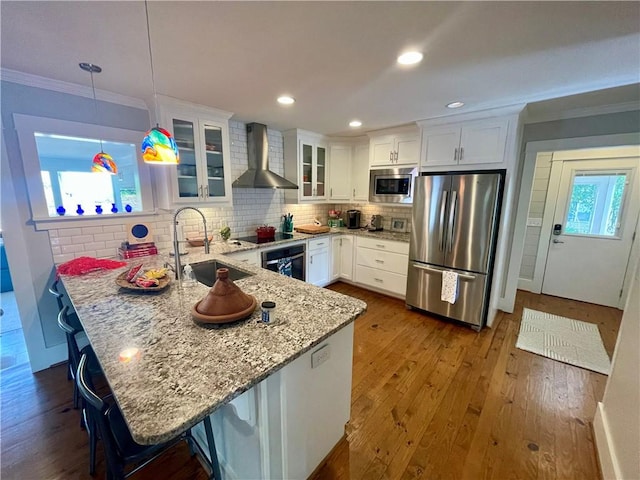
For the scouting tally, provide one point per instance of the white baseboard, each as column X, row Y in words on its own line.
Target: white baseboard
column 526, row 284
column 608, row 464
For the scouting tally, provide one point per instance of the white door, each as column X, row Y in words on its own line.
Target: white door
column 596, row 211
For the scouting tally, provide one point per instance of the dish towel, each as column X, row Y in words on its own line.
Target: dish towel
column 449, row 291
column 285, row 266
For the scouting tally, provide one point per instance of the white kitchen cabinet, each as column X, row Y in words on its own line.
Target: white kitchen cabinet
column 397, row 148
column 305, row 164
column 319, row 261
column 382, row 265
column 284, row 426
column 340, row 172
column 469, row 143
column 360, row 173
column 202, row 136
column 342, row 257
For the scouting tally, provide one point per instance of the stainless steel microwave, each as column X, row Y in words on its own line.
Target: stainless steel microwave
column 392, row 185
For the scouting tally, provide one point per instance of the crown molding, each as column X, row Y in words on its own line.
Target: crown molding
column 30, row 80
column 582, row 112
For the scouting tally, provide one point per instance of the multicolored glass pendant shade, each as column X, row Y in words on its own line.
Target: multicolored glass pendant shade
column 103, row 163
column 159, row 147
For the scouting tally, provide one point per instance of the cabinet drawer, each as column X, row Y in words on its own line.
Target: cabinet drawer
column 318, row 243
column 392, row 282
column 387, row 261
column 385, row 245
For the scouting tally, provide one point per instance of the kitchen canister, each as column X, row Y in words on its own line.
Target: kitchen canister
column 268, row 312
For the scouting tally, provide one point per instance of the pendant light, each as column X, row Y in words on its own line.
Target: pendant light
column 158, row 146
column 102, row 162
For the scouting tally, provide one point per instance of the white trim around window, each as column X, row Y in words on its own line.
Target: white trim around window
column 27, row 125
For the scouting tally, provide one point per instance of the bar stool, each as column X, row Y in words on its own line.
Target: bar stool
column 71, row 319
column 93, row 369
column 119, row 447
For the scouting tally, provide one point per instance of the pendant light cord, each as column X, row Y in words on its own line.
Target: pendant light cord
column 95, row 104
column 153, row 82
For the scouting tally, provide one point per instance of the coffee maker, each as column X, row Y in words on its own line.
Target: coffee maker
column 352, row 219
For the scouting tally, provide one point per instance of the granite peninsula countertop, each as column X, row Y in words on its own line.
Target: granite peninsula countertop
column 185, row 371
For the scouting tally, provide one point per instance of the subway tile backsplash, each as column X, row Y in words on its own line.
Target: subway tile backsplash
column 252, row 207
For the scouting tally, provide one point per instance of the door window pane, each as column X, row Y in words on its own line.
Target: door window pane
column 595, row 204
column 65, row 169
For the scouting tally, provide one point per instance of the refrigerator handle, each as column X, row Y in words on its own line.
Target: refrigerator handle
column 452, row 218
column 443, row 207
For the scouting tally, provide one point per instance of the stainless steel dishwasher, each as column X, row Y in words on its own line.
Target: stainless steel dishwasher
column 287, row 260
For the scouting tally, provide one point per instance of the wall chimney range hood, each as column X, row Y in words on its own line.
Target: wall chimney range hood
column 259, row 175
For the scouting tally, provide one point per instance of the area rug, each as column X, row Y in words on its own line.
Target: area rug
column 563, row 339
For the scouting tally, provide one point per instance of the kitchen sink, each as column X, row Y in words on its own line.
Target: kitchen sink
column 205, row 272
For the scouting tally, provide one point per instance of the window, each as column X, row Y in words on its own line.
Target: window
column 68, row 182
column 595, row 203
column 57, row 157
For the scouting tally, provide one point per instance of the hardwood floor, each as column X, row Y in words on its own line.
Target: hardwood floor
column 430, row 399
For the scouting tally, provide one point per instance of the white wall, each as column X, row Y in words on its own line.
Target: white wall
column 617, row 420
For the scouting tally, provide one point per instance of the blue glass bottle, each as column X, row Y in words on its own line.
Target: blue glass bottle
column 99, row 209
column 128, row 208
column 61, row 210
column 79, row 210
column 114, row 209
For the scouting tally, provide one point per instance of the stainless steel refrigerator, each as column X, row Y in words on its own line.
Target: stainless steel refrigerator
column 454, row 227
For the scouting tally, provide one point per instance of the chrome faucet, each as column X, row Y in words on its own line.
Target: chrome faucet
column 176, row 246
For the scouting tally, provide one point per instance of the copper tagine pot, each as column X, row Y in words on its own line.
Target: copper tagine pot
column 224, row 303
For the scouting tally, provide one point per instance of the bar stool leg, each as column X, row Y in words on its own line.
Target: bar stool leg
column 215, row 465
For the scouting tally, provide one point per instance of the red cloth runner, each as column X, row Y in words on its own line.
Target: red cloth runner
column 82, row 265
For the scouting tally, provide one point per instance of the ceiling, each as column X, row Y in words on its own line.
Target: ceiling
column 338, row 59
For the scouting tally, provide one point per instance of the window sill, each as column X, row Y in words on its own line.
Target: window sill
column 49, row 223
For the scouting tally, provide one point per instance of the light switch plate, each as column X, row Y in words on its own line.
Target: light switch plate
column 320, row 356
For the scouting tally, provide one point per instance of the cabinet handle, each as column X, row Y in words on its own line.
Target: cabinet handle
column 379, row 280
column 379, row 261
column 354, row 192
column 391, row 156
column 331, row 192
column 319, row 244
column 340, row 242
column 201, row 196
column 396, row 156
column 311, row 259
column 461, row 153
column 455, row 155
column 380, row 245
column 206, row 191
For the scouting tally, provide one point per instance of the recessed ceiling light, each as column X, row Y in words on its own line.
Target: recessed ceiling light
column 286, row 100
column 455, row 104
column 410, row 58
column 355, row 123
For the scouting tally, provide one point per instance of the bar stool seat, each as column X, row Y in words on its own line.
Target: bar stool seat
column 119, row 447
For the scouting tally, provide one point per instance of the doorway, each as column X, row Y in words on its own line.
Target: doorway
column 585, row 220
column 592, row 230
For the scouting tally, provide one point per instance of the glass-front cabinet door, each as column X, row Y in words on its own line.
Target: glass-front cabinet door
column 214, row 165
column 321, row 170
column 186, row 171
column 313, row 165
column 204, row 172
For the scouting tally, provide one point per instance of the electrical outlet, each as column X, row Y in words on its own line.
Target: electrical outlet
column 320, row 356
